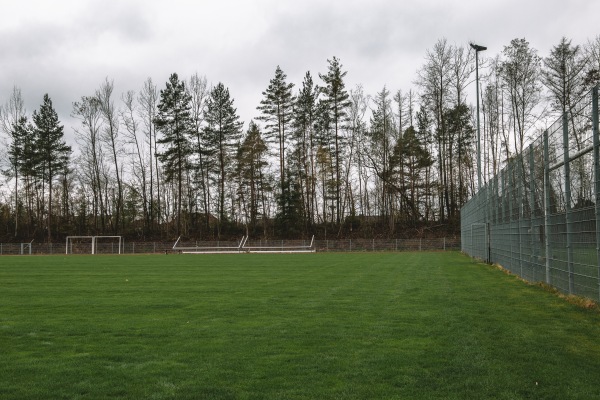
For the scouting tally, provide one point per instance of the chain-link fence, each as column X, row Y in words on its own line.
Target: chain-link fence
column 538, row 216
column 358, row 245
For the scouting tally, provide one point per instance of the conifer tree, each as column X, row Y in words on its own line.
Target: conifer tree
column 51, row 150
column 276, row 109
column 174, row 122
column 222, row 133
column 305, row 141
column 337, row 100
column 251, row 165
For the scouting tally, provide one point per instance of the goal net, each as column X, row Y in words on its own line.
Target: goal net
column 93, row 245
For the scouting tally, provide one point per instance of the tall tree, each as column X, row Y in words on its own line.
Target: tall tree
column 305, row 141
column 276, row 108
column 520, row 72
column 592, row 60
column 250, row 169
column 147, row 99
column 222, row 133
column 199, row 92
column 382, row 145
column 461, row 139
column 91, row 173
column 337, row 101
column 139, row 169
column 110, row 137
column 563, row 75
column 358, row 135
column 408, row 163
column 436, row 80
column 52, row 149
column 13, row 124
column 175, row 123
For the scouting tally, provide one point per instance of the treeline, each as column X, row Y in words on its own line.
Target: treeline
column 320, row 158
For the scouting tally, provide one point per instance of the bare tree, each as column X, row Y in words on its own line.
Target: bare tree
column 88, row 112
column 199, row 92
column 436, row 81
column 111, row 138
column 139, row 168
column 520, row 72
column 147, row 99
column 10, row 115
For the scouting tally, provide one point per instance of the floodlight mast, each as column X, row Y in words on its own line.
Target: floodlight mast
column 477, row 49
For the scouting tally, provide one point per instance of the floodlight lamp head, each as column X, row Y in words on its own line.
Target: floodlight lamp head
column 477, row 47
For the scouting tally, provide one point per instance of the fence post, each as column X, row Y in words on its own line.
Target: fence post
column 532, row 242
column 567, row 167
column 520, row 187
column 511, row 185
column 547, row 206
column 596, row 176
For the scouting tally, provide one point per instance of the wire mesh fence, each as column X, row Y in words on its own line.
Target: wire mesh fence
column 347, row 245
column 538, row 216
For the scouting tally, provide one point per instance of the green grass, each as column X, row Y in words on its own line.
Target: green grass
column 306, row 326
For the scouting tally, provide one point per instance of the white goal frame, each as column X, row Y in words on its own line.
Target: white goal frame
column 94, row 241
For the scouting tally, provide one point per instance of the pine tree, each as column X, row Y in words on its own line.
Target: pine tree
column 337, row 100
column 408, row 164
column 222, row 133
column 276, row 109
column 251, row 165
column 52, row 151
column 563, row 75
column 175, row 123
column 305, row 142
column 382, row 145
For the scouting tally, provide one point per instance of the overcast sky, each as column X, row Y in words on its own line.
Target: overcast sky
column 67, row 48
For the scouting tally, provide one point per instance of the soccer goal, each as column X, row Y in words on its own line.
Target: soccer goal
column 94, row 245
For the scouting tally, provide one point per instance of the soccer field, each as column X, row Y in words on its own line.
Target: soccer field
column 305, row 326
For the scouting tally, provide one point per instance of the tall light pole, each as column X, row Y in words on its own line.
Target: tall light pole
column 477, row 49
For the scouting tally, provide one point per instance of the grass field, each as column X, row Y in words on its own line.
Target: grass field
column 306, row 326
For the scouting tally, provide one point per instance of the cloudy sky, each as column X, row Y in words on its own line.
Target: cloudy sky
column 67, row 48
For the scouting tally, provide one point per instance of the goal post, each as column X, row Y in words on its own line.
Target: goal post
column 89, row 244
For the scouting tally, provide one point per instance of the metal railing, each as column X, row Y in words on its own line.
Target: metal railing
column 538, row 217
column 347, row 245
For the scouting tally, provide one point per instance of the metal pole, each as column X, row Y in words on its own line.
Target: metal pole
column 521, row 200
column 478, row 130
column 547, row 206
column 477, row 49
column 569, row 217
column 532, row 241
column 510, row 193
column 596, row 175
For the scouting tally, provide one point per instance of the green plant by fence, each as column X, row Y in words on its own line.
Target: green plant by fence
column 538, row 217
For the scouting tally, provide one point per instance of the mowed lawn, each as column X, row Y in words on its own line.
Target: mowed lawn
column 304, row 326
